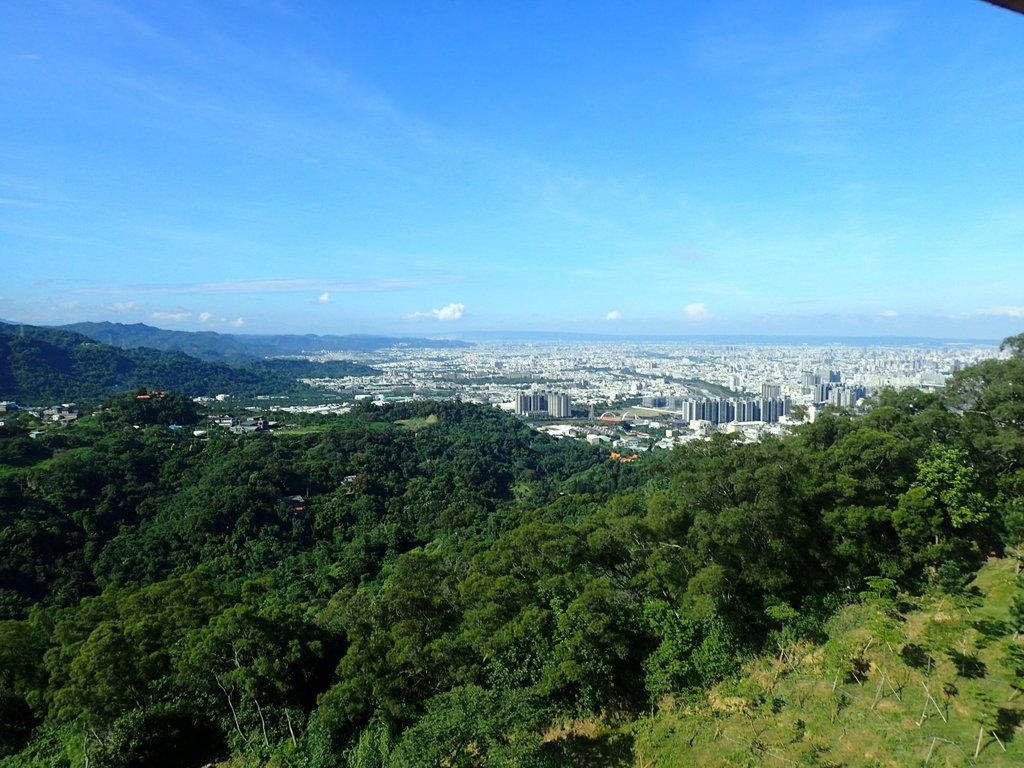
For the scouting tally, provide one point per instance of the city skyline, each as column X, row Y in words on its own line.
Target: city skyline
column 843, row 169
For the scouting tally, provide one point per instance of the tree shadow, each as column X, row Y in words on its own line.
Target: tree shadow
column 614, row 750
column 1007, row 722
column 915, row 656
column 968, row 665
column 992, row 629
column 859, row 669
column 903, row 607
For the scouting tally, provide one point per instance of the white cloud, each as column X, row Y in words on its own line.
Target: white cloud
column 889, row 313
column 125, row 306
column 695, row 311
column 205, row 317
column 450, row 312
column 175, row 316
column 613, row 315
column 324, row 297
column 238, row 322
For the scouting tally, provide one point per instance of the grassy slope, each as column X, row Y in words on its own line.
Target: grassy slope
column 786, row 712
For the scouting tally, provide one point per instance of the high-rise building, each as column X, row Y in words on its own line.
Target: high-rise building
column 846, row 396
column 810, row 379
column 559, row 405
column 820, row 393
column 721, row 411
column 539, row 402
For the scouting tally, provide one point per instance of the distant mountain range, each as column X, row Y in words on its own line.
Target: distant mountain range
column 226, row 347
column 54, row 365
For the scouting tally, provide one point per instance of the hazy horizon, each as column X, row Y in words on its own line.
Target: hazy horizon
column 523, row 335
column 832, row 169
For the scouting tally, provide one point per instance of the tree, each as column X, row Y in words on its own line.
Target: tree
column 947, row 477
column 943, row 508
column 990, row 398
column 153, row 408
column 596, row 650
column 263, row 661
column 1014, row 345
column 470, row 726
column 22, row 681
column 113, row 653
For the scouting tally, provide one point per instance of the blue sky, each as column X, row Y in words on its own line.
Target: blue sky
column 427, row 168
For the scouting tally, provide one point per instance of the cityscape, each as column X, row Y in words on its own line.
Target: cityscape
column 612, row 391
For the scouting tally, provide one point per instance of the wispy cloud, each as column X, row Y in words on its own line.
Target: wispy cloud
column 992, row 312
column 810, row 123
column 357, row 122
column 688, row 255
column 889, row 313
column 209, row 318
column 324, row 298
column 446, row 313
column 172, row 316
column 782, row 68
column 613, row 315
column 286, row 285
column 751, row 46
column 15, row 203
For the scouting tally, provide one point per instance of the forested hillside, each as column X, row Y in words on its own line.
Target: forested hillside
column 40, row 366
column 436, row 584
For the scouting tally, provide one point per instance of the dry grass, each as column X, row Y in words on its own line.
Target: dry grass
column 898, row 715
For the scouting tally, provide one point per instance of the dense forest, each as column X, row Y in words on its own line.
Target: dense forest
column 42, row 366
column 437, row 584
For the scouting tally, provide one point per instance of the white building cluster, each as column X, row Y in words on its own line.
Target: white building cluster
column 756, row 386
column 614, row 372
